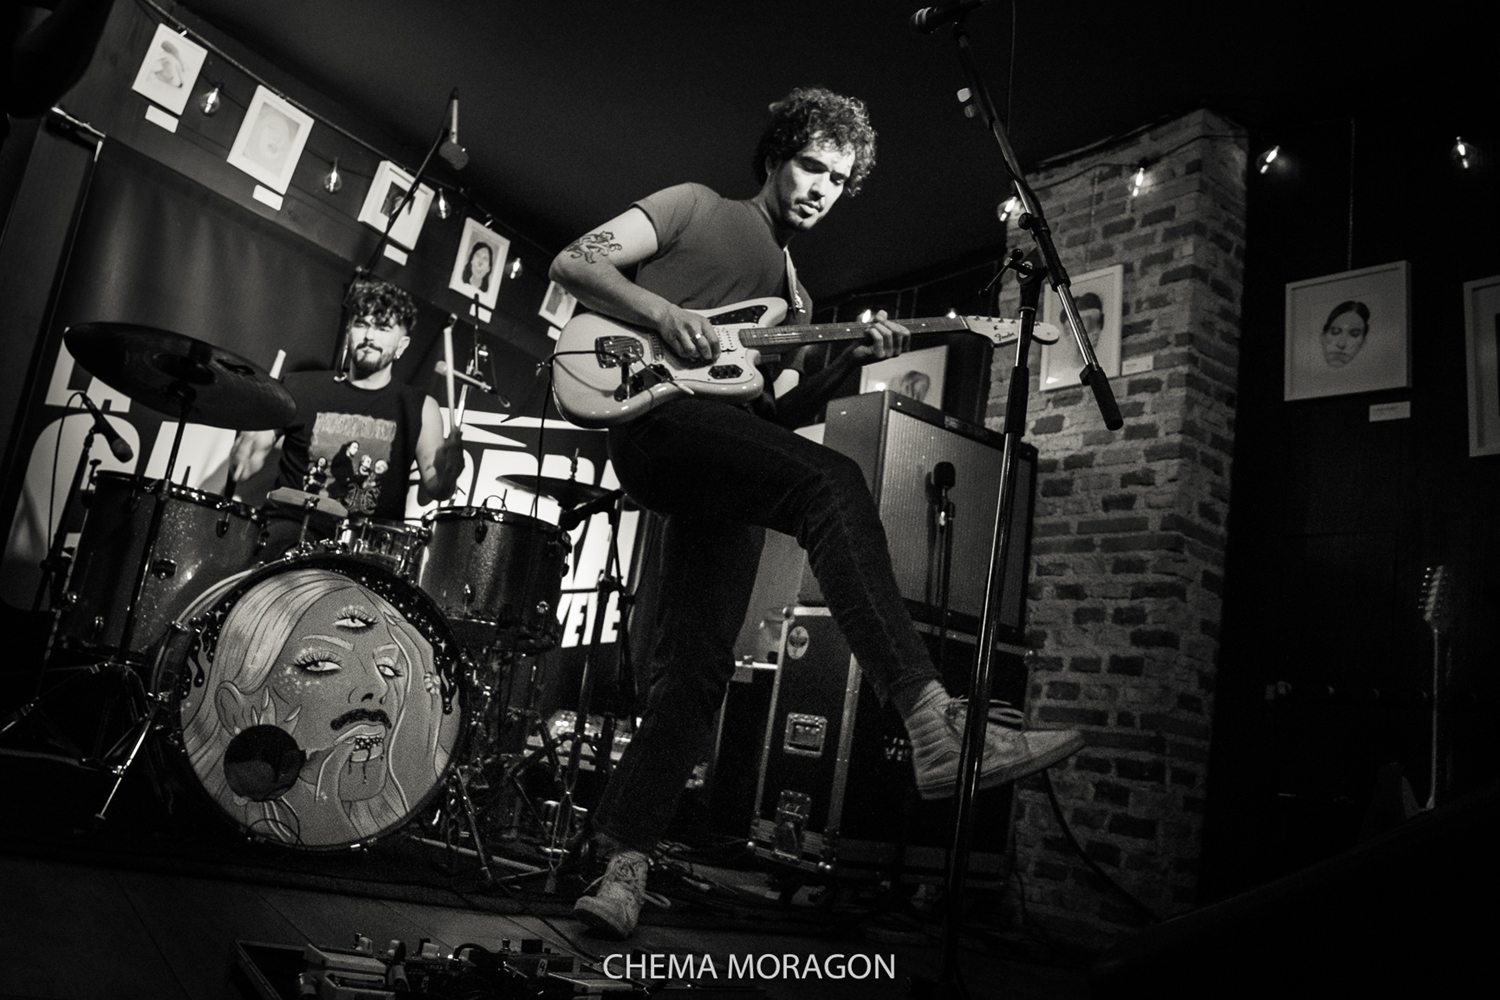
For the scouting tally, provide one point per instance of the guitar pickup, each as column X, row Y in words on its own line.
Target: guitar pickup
column 725, row 371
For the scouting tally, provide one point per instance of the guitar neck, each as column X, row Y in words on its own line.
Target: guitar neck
column 817, row 333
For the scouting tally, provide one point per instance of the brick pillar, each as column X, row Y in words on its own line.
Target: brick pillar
column 1128, row 550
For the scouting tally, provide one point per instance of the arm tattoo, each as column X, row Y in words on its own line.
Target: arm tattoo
column 594, row 244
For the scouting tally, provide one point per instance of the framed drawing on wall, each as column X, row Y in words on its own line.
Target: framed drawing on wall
column 918, row 374
column 1098, row 296
column 386, row 192
column 478, row 263
column 557, row 305
column 270, row 140
column 1482, row 334
column 170, row 69
column 1348, row 332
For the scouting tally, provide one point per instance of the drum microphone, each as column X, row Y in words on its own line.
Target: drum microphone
column 456, row 155
column 929, row 19
column 442, row 369
column 117, row 444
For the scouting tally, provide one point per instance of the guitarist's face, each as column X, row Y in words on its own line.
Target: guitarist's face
column 806, row 185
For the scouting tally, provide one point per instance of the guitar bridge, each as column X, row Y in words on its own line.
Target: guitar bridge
column 613, row 352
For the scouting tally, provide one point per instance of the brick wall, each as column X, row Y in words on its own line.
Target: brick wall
column 1128, row 549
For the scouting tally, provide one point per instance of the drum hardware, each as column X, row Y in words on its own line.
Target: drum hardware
column 183, row 378
column 312, row 506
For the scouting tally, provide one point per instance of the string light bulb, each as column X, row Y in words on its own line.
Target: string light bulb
column 867, row 316
column 334, row 180
column 1264, row 160
column 441, row 205
column 211, row 101
column 1011, row 206
column 1139, row 180
column 1465, row 154
column 515, row 269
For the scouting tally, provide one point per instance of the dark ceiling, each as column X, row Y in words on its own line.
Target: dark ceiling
column 573, row 108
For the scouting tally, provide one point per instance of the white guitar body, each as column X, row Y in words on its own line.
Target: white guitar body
column 606, row 372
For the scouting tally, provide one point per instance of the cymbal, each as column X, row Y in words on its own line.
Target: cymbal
column 164, row 371
column 295, row 500
column 567, row 492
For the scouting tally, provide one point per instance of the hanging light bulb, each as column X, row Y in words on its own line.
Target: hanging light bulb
column 334, row 180
column 515, row 269
column 211, row 101
column 441, row 206
column 1011, row 206
column 1139, row 180
column 1465, row 154
column 1264, row 160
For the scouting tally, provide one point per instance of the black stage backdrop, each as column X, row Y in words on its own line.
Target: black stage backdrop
column 156, row 248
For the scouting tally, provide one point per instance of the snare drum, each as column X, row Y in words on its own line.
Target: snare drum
column 203, row 539
column 317, row 700
column 496, row 575
column 395, row 545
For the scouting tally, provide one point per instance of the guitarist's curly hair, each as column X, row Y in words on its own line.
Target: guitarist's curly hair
column 809, row 113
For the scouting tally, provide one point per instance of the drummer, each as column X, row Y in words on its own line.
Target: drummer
column 356, row 431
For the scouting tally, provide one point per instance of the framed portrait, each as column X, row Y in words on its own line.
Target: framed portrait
column 478, row 264
column 918, row 374
column 1482, row 329
column 1348, row 332
column 170, row 69
column 270, row 140
column 386, row 191
column 557, row 305
column 1098, row 295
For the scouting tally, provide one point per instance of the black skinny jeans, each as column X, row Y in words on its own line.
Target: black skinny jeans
column 721, row 475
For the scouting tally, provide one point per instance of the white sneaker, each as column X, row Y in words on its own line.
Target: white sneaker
column 612, row 904
column 937, row 732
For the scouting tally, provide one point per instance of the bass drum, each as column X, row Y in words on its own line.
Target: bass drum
column 317, row 700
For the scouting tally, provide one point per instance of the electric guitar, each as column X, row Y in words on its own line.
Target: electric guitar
column 606, row 372
column 1437, row 612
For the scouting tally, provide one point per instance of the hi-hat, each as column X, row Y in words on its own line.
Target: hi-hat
column 567, row 492
column 181, row 376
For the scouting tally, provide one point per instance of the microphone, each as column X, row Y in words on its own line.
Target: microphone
column 456, row 155
column 442, row 369
column 929, row 19
column 117, row 444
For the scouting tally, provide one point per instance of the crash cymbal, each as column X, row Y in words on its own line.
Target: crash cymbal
column 166, row 371
column 567, row 492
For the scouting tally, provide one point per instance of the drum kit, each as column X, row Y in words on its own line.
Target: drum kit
column 326, row 698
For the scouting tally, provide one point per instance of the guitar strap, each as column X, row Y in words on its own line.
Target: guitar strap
column 793, row 295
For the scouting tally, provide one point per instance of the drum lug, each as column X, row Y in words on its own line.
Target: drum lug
column 70, row 599
column 98, row 630
column 543, row 607
column 481, row 529
column 222, row 527
column 163, row 568
column 468, row 593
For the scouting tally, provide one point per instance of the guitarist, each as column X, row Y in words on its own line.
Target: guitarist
column 722, row 473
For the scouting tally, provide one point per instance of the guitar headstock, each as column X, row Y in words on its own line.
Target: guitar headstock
column 1437, row 598
column 1001, row 330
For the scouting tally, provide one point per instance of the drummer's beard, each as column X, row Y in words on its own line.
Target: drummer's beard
column 365, row 359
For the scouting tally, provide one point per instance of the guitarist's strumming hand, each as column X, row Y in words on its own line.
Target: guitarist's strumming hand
column 691, row 336
column 884, row 339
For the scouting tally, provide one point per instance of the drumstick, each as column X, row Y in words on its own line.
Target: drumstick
column 276, row 365
column 448, row 374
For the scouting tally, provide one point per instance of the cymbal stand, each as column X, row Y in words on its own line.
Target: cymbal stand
column 48, row 588
column 610, row 582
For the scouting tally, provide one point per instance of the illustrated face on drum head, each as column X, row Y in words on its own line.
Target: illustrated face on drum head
column 339, row 681
column 335, row 666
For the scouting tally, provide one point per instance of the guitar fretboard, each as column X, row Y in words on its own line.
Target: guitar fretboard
column 814, row 333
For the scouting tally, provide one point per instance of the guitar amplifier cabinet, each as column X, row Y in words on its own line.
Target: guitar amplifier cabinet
column 898, row 442
column 836, row 794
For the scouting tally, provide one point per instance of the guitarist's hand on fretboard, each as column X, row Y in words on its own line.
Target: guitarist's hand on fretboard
column 884, row 339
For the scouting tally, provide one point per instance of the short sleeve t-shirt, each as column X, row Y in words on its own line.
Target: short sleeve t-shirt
column 358, row 444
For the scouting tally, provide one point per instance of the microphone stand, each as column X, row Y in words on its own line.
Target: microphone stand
column 1031, row 271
